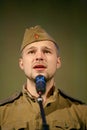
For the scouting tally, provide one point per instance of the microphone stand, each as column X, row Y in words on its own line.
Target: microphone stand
column 45, row 126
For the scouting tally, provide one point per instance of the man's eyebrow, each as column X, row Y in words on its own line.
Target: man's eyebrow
column 48, row 48
column 32, row 47
column 43, row 47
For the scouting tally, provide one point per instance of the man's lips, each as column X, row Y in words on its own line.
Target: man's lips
column 39, row 67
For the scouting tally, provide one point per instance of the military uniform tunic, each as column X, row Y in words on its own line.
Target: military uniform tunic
column 22, row 112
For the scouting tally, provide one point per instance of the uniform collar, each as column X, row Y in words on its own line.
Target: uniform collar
column 28, row 94
column 51, row 97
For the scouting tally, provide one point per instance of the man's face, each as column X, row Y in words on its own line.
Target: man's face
column 40, row 58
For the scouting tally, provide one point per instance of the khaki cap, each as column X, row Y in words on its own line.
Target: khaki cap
column 35, row 34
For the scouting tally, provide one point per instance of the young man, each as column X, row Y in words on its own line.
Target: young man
column 40, row 57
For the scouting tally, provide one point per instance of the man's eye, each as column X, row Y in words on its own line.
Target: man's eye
column 46, row 51
column 31, row 52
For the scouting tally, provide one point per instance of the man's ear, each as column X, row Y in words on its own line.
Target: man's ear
column 21, row 63
column 58, row 62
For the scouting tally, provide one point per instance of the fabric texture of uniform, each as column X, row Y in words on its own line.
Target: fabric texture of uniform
column 35, row 34
column 62, row 113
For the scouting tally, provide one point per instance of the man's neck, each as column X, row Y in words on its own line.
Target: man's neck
column 31, row 88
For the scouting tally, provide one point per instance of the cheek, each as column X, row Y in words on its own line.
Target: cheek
column 27, row 64
column 53, row 64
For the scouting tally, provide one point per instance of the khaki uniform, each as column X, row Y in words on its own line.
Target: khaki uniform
column 21, row 112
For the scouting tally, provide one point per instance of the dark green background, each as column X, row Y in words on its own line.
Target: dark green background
column 66, row 21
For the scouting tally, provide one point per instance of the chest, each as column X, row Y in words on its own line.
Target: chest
column 29, row 118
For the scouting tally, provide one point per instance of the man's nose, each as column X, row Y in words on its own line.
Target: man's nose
column 39, row 56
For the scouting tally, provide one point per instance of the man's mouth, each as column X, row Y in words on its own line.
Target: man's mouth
column 39, row 67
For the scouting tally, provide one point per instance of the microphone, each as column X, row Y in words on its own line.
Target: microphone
column 40, row 81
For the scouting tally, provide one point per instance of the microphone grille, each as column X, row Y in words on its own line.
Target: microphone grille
column 40, row 81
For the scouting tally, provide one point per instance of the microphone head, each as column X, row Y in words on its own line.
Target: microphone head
column 40, row 81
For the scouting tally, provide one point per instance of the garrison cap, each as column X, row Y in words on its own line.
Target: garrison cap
column 35, row 34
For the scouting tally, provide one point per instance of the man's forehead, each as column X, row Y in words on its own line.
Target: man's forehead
column 48, row 44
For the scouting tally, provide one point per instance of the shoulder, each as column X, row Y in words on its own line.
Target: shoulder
column 69, row 98
column 11, row 99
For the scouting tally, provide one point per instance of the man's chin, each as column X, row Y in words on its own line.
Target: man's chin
column 40, row 74
column 43, row 74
